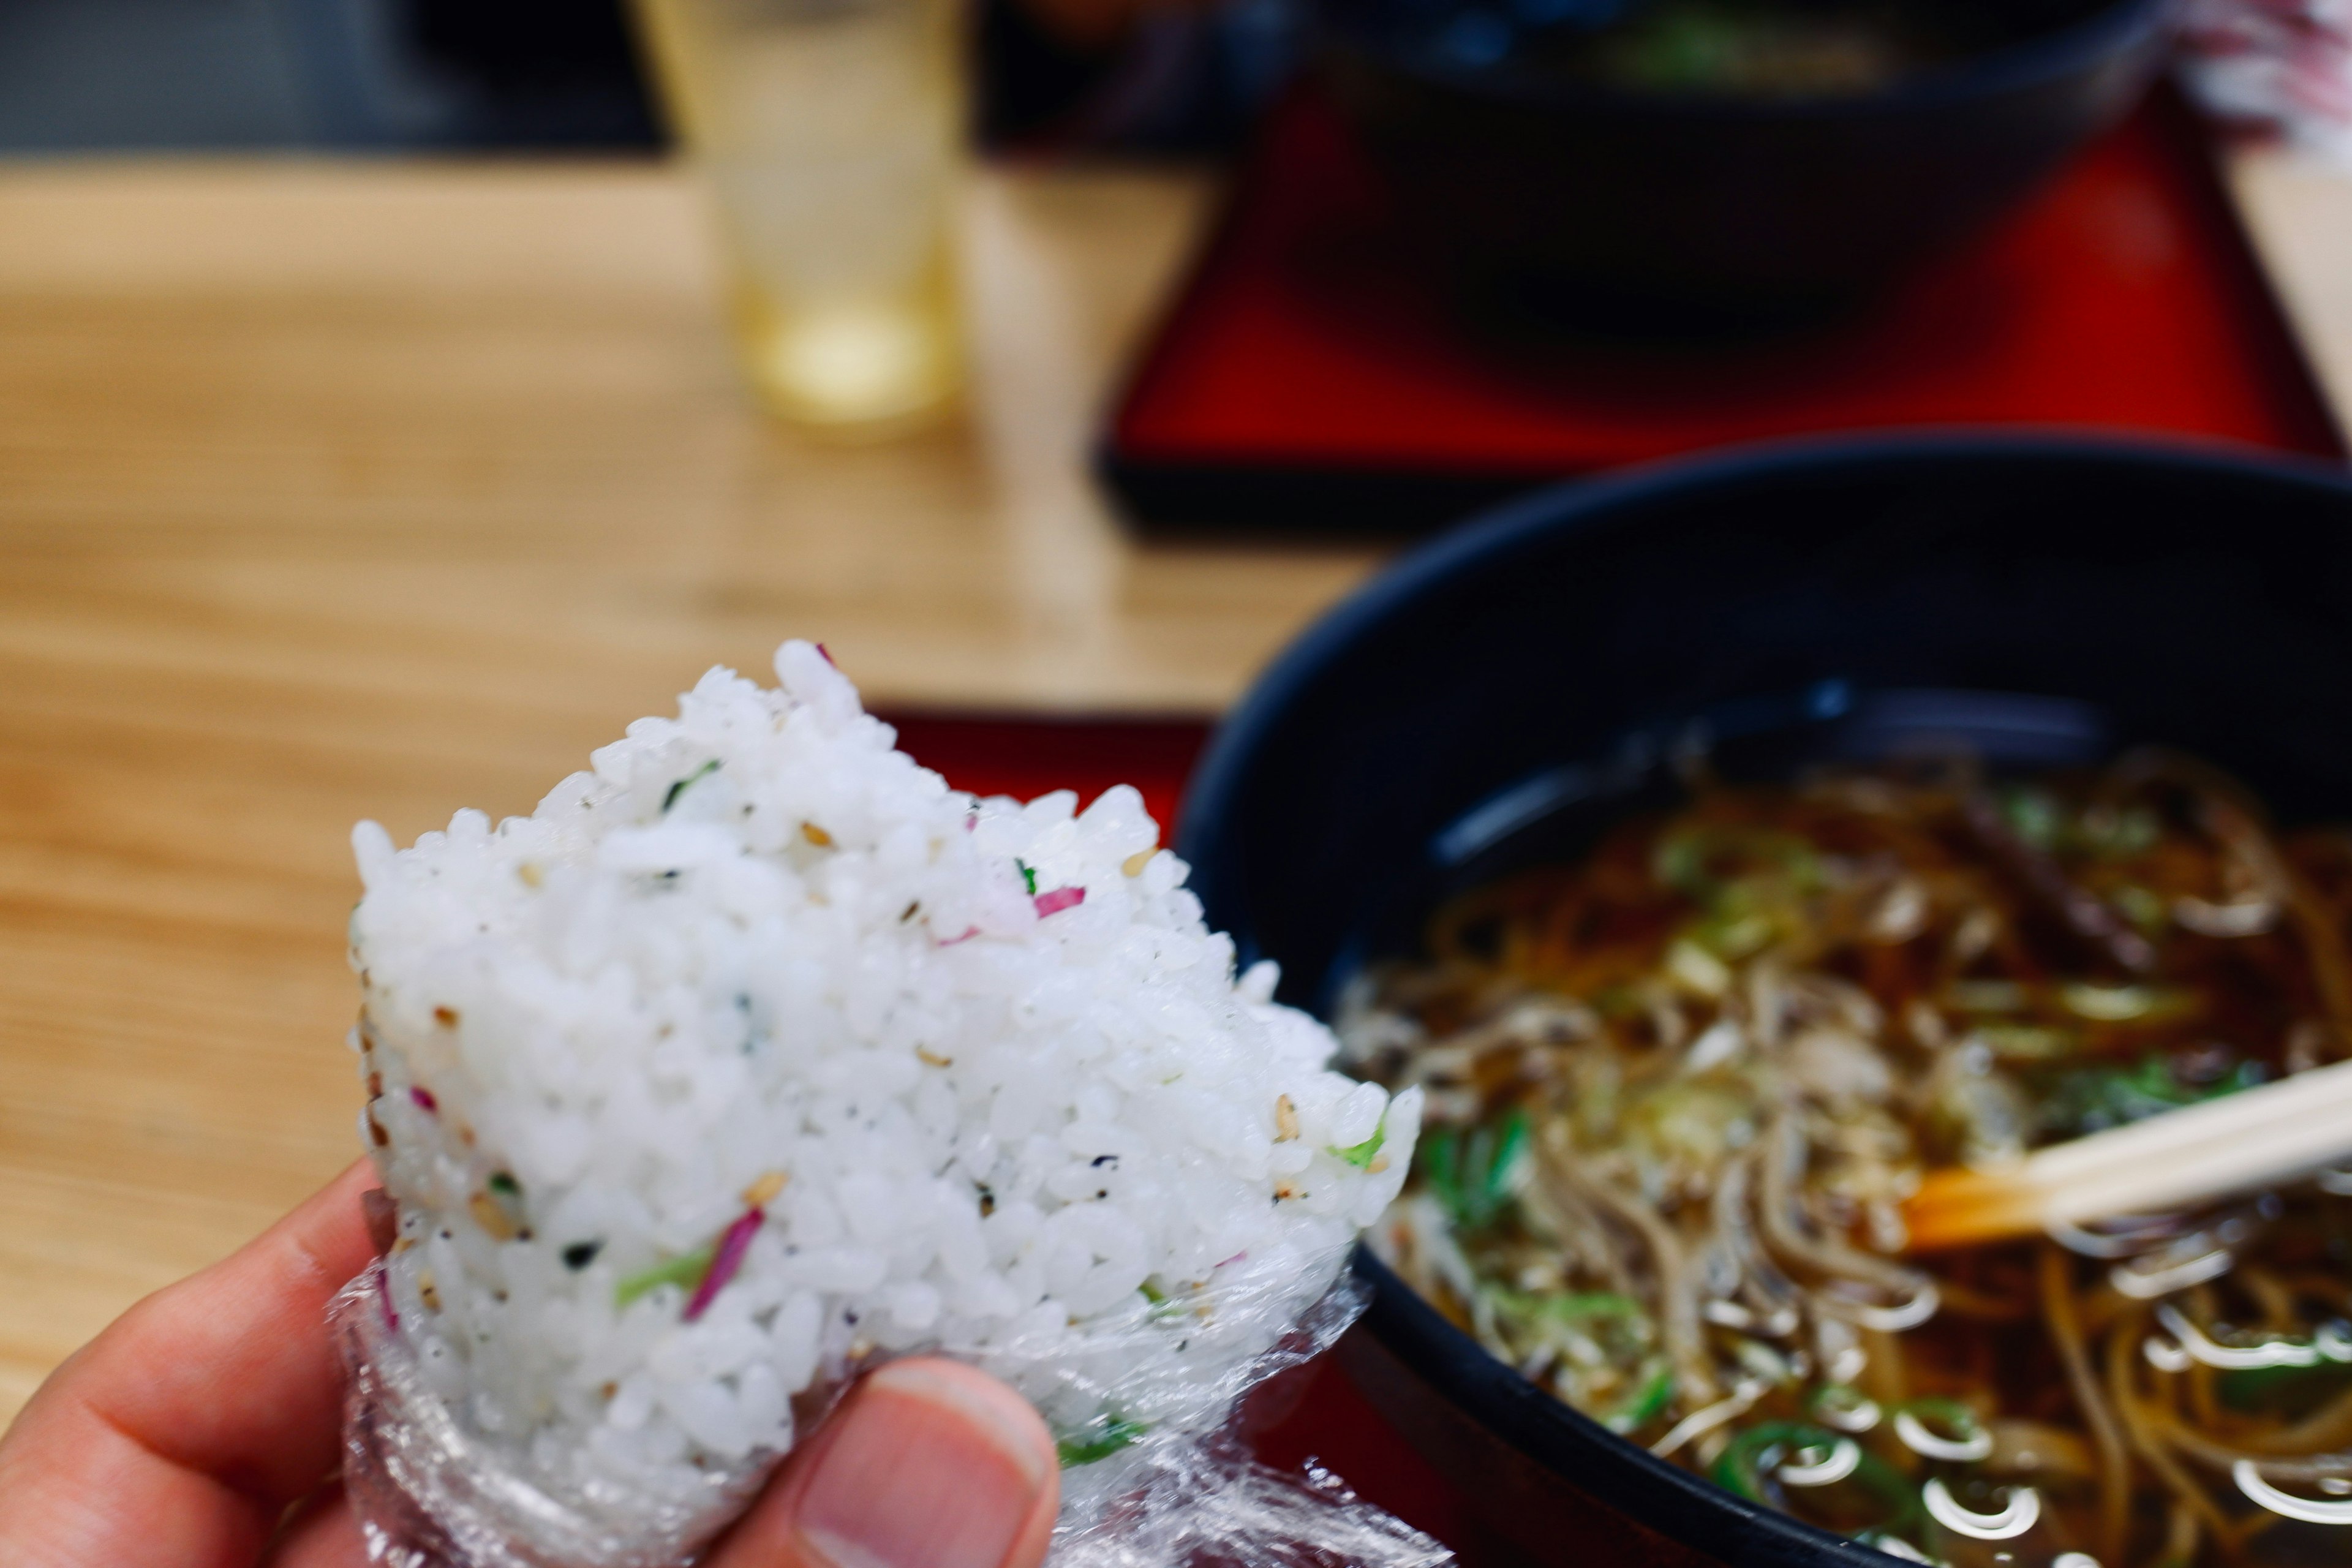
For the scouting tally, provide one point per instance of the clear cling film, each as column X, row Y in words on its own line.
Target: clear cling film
column 431, row 1494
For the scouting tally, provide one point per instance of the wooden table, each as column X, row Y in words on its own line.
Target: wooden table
column 374, row 489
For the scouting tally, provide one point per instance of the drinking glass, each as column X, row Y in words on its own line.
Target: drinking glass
column 830, row 132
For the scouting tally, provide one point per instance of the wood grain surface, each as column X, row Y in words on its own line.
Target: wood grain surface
column 331, row 491
column 2298, row 207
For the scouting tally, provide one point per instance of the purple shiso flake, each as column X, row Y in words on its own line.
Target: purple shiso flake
column 731, row 1248
column 1060, row 898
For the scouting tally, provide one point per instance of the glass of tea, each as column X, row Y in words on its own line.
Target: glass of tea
column 831, row 131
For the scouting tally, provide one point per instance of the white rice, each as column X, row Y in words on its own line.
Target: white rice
column 755, row 945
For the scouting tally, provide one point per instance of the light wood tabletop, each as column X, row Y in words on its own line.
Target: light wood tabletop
column 376, row 489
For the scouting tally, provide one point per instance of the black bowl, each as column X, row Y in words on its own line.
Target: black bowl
column 1596, row 207
column 1500, row 695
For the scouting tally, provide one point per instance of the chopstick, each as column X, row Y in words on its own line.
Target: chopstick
column 2237, row 1143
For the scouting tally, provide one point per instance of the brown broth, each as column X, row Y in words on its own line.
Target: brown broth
column 1679, row 1088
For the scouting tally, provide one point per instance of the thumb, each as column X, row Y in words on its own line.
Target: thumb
column 927, row 1463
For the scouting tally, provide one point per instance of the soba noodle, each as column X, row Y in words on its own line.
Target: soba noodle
column 1679, row 1091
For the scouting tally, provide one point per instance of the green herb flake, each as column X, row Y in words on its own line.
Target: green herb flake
column 1471, row 1172
column 1166, row 1308
column 1361, row 1155
column 2293, row 1391
column 1679, row 862
column 1945, row 1418
column 1647, row 1404
column 2092, row 1099
column 503, row 1184
column 1102, row 1437
column 682, row 785
column 685, row 1272
column 2147, row 911
column 2033, row 815
column 1581, row 1306
column 1028, row 877
column 2117, row 835
column 2027, row 1042
column 1880, row 1498
column 2115, row 1004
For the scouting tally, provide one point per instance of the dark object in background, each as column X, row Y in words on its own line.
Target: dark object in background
column 536, row 72
column 1565, row 197
column 77, row 75
column 1497, row 698
column 83, row 75
column 1307, row 377
column 1182, row 80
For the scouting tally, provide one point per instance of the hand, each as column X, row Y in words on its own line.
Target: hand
column 203, row 1430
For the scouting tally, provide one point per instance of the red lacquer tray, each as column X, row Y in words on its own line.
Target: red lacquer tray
column 1306, row 377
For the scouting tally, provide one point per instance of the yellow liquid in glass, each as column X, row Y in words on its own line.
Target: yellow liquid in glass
column 830, row 131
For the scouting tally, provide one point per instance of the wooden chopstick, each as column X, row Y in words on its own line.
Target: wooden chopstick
column 2237, row 1143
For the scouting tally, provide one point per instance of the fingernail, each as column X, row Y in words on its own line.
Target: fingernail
column 383, row 1216
column 935, row 1466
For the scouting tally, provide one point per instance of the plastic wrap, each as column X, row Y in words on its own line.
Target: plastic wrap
column 431, row 1493
column 2281, row 66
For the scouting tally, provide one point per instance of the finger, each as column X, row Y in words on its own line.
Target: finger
column 210, row 1405
column 382, row 1217
column 928, row 1464
column 323, row 1533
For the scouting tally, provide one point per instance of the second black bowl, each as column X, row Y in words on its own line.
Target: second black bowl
column 1603, row 207
column 1502, row 692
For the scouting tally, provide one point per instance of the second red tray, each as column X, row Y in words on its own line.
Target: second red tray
column 1307, row 377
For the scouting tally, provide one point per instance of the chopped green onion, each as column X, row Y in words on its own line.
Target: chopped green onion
column 1959, row 1421
column 1680, row 862
column 2091, row 1099
column 2120, row 1004
column 2032, row 815
column 685, row 1272
column 1698, row 969
column 2144, row 909
column 2027, row 1042
column 1872, row 1498
column 1579, row 1305
column 2115, row 835
column 1361, row 1155
column 1647, row 1404
column 1844, row 1406
column 1165, row 1306
column 1104, row 1436
column 1686, row 862
column 1028, row 877
column 681, row 787
column 1752, row 1454
column 1471, row 1172
column 2293, row 1391
column 1991, row 995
